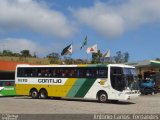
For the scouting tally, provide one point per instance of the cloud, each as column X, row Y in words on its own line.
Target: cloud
column 112, row 20
column 35, row 16
column 19, row 44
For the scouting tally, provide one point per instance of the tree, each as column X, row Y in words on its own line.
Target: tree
column 80, row 61
column 121, row 57
column 96, row 57
column 158, row 59
column 35, row 56
column 54, row 58
column 7, row 53
column 68, row 60
column 126, row 57
column 16, row 54
column 25, row 53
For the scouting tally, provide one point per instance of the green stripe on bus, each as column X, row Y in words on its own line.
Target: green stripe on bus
column 85, row 87
column 76, row 87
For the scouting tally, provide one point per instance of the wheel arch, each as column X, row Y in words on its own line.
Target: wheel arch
column 101, row 91
column 32, row 90
column 44, row 91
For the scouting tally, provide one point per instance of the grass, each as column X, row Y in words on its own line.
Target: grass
column 26, row 60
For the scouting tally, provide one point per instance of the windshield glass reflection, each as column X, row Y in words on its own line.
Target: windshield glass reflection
column 123, row 78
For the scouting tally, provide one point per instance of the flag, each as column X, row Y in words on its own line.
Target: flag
column 107, row 54
column 67, row 50
column 92, row 49
column 84, row 43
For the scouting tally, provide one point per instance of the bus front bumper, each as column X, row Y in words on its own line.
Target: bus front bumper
column 132, row 95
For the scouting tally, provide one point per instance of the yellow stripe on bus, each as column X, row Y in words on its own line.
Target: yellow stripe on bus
column 62, row 90
column 53, row 90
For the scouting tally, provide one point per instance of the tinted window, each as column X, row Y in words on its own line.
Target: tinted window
column 64, row 72
column 117, row 80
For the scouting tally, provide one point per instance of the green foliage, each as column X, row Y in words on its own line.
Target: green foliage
column 35, row 56
column 121, row 57
column 80, row 61
column 68, row 60
column 126, row 57
column 7, row 53
column 157, row 59
column 96, row 57
column 25, row 53
column 54, row 58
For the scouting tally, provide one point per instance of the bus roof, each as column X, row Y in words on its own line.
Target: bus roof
column 78, row 65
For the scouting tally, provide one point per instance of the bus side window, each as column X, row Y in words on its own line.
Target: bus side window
column 21, row 72
column 53, row 73
column 28, row 72
column 34, row 72
column 39, row 72
column 102, row 73
column 78, row 73
column 42, row 72
column 88, row 74
column 63, row 74
column 46, row 74
column 83, row 73
column 74, row 73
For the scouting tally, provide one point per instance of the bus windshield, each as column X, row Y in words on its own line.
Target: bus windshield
column 123, row 78
column 130, row 78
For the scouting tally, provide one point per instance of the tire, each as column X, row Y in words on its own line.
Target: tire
column 34, row 94
column 43, row 94
column 102, row 97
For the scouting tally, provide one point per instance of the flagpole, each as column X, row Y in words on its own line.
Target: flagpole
column 86, row 51
column 85, row 43
column 72, row 53
column 86, row 54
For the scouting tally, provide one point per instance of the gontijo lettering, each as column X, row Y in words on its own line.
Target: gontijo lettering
column 49, row 80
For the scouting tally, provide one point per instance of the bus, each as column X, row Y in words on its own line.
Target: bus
column 101, row 81
column 7, row 81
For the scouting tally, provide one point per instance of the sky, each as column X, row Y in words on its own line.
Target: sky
column 46, row 26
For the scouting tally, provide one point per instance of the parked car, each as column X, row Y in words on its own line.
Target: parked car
column 147, row 86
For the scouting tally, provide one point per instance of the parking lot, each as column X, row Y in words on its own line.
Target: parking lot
column 146, row 104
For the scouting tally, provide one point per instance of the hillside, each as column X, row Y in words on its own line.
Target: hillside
column 26, row 60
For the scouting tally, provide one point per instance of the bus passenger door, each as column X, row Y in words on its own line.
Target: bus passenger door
column 117, row 81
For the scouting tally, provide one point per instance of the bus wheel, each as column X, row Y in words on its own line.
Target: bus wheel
column 102, row 97
column 43, row 94
column 34, row 93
